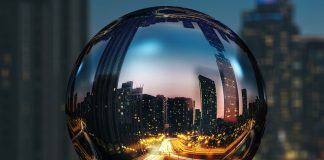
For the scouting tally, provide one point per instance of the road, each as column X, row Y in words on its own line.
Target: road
column 174, row 149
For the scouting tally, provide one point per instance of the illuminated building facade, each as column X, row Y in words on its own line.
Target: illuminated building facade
column 180, row 114
column 271, row 34
column 161, row 101
column 128, row 110
column 152, row 108
column 208, row 104
column 312, row 51
column 231, row 100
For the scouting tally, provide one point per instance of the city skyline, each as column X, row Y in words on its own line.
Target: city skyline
column 147, row 57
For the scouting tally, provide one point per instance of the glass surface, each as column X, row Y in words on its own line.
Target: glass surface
column 166, row 83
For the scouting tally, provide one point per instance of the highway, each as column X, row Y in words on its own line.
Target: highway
column 174, row 149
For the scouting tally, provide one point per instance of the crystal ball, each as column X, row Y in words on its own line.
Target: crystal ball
column 166, row 83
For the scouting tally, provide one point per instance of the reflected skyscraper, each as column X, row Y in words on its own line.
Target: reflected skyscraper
column 245, row 103
column 231, row 99
column 129, row 110
column 180, row 114
column 197, row 119
column 208, row 104
column 152, row 117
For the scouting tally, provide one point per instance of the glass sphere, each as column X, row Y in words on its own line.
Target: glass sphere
column 166, row 83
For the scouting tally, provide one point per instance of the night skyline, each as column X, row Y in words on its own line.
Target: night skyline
column 149, row 55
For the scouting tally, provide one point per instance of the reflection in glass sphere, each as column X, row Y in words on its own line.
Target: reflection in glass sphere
column 166, row 83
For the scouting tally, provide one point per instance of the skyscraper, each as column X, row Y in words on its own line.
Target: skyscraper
column 152, row 114
column 39, row 43
column 197, row 119
column 271, row 34
column 208, row 104
column 312, row 51
column 245, row 103
column 230, row 91
column 162, row 101
column 180, row 114
column 129, row 110
column 231, row 99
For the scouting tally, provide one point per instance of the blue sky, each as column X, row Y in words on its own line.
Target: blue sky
column 308, row 14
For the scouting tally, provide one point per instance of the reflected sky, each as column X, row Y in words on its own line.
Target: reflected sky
column 87, row 69
column 166, row 58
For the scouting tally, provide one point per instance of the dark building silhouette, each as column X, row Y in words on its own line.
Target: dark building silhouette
column 208, row 104
column 197, row 119
column 180, row 114
column 244, row 103
column 39, row 42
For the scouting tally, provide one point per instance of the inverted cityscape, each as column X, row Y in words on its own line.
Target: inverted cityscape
column 166, row 83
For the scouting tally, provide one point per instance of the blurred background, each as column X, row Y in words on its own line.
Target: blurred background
column 41, row 39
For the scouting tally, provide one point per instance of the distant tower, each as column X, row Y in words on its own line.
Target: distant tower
column 245, row 104
column 208, row 104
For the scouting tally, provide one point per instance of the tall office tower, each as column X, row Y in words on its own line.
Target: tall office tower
column 128, row 110
column 39, row 43
column 245, row 103
column 231, row 99
column 179, row 112
column 271, row 34
column 312, row 50
column 208, row 104
column 230, row 91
